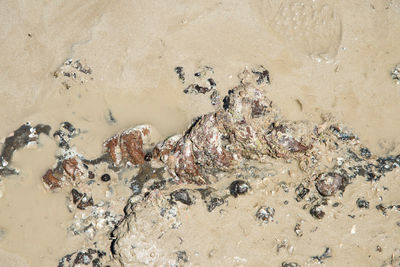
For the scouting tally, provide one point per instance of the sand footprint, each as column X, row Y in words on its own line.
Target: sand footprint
column 312, row 27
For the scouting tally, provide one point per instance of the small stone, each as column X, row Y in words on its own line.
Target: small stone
column 362, row 203
column 181, row 73
column 298, row 231
column 182, row 256
column 148, row 156
column 136, row 188
column 239, row 187
column 158, row 185
column 183, row 196
column 290, row 264
column 265, row 214
column 328, row 184
column 83, row 257
column 214, row 202
column 262, row 75
column 301, row 192
column 212, row 82
column 381, row 208
column 76, row 195
column 396, row 74
column 317, row 212
column 91, row 175
column 85, row 202
column 51, row 181
column 105, row 177
column 365, row 152
column 284, row 186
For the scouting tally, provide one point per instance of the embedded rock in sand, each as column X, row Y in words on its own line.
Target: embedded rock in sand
column 140, row 239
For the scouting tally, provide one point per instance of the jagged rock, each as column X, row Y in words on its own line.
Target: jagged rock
column 127, row 147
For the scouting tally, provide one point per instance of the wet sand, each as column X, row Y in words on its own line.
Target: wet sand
column 321, row 58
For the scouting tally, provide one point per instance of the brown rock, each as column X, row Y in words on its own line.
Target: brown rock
column 51, row 181
column 128, row 146
column 328, row 184
column 112, row 148
column 164, row 148
column 71, row 167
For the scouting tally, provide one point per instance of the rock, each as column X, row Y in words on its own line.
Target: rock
column 105, row 177
column 265, row 214
column 301, row 192
column 181, row 73
column 127, row 147
column 329, row 184
column 262, row 74
column 396, row 74
column 52, row 179
column 182, row 256
column 138, row 241
column 196, row 89
column 183, row 196
column 85, row 202
column 317, row 212
column 362, row 203
column 164, row 148
column 148, row 156
column 66, row 132
column 72, row 168
column 214, row 202
column 238, row 187
column 297, row 230
column 83, row 257
column 211, row 198
column 76, row 195
column 290, row 264
column 72, row 72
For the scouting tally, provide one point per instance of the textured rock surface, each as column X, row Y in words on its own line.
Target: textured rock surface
column 246, row 128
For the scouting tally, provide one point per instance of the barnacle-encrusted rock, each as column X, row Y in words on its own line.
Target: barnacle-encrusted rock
column 139, row 242
column 246, row 128
column 127, row 147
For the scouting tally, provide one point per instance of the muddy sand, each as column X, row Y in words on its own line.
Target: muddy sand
column 200, row 133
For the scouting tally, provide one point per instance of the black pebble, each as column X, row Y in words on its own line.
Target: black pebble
column 105, row 177
column 301, row 192
column 362, row 203
column 182, row 196
column 148, row 156
column 238, row 187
